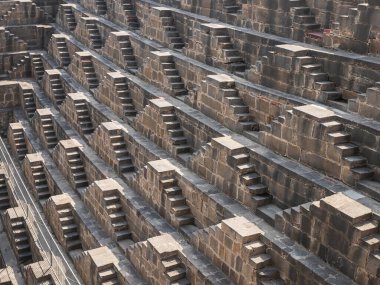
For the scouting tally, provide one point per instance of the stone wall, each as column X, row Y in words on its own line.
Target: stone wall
column 358, row 31
column 338, row 229
column 315, row 136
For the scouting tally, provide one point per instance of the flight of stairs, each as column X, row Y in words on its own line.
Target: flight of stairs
column 40, row 181
column 115, row 211
column 127, row 52
column 48, row 131
column 177, row 137
column 95, row 39
column 57, row 88
column 130, row 14
column 175, row 271
column 240, row 109
column 319, row 80
column 125, row 98
column 251, row 180
column 14, row 41
column 266, row 274
column 63, row 51
column 7, row 15
column 69, row 17
column 362, row 174
column 88, row 69
column 176, row 84
column 29, row 102
column 123, row 157
column 77, row 169
column 69, row 228
column 84, row 119
column 37, row 66
column 101, row 7
column 4, row 196
column 20, row 144
column 21, row 241
column 107, row 275
column 21, row 68
column 231, row 6
column 181, row 212
column 173, row 38
column 46, row 280
column 231, row 57
column 304, row 22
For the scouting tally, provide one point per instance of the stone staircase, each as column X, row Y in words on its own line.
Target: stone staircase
column 21, row 68
column 125, row 98
column 349, row 156
column 123, row 157
column 175, row 271
column 101, row 7
column 63, row 51
column 173, row 38
column 95, row 39
column 251, row 180
column 231, row 57
column 29, row 102
column 116, row 214
column 177, row 137
column 21, row 241
column 48, row 131
column 107, row 275
column 69, row 228
column 318, row 80
column 262, row 262
column 45, row 281
column 37, row 66
column 365, row 240
column 175, row 81
column 232, row 6
column 130, row 14
column 40, row 181
column 127, row 52
column 19, row 143
column 84, row 120
column 180, row 211
column 4, row 196
column 77, row 169
column 57, row 89
column 240, row 109
column 88, row 69
column 4, row 17
column 69, row 18
column 304, row 22
column 14, row 41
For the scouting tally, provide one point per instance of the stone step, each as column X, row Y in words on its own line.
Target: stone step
column 268, row 213
column 361, row 173
column 347, row 149
column 176, row 273
column 73, row 244
column 177, row 200
column 372, row 242
column 245, row 168
column 338, row 137
column 180, row 210
column 122, row 235
column 355, row 161
column 261, row 200
column 250, row 179
column 260, row 261
column 185, row 220
column 370, row 188
column 167, row 183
